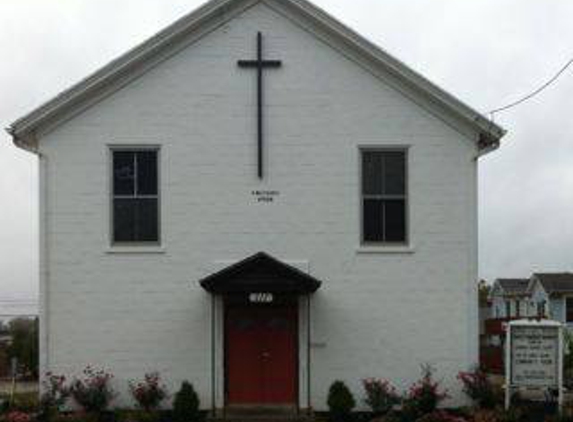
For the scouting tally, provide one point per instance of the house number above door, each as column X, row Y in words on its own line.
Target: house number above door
column 261, row 297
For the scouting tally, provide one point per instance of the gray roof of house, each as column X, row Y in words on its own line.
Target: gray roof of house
column 514, row 286
column 556, row 282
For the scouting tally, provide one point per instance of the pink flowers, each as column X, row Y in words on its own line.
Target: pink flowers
column 424, row 395
column 148, row 393
column 381, row 396
column 477, row 387
column 55, row 392
column 93, row 393
column 17, row 416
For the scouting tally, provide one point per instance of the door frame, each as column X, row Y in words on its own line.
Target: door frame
column 282, row 303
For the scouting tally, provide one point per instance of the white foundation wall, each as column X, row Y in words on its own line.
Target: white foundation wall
column 378, row 313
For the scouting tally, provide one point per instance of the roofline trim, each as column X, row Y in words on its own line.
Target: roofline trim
column 23, row 129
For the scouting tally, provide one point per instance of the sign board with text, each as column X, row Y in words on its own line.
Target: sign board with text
column 534, row 355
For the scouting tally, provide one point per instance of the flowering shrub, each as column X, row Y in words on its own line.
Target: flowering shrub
column 380, row 395
column 424, row 395
column 54, row 392
column 93, row 393
column 17, row 416
column 478, row 388
column 148, row 393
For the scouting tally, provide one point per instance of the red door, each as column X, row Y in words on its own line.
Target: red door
column 261, row 356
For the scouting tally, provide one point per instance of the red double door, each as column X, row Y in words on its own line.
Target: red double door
column 261, row 356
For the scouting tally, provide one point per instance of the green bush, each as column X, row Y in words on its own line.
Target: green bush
column 186, row 404
column 340, row 402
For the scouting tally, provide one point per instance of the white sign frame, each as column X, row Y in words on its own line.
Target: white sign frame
column 543, row 323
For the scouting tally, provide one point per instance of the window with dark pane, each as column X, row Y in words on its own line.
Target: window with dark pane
column 384, row 196
column 135, row 196
column 569, row 309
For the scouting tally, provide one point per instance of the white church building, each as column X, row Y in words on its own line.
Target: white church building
column 260, row 201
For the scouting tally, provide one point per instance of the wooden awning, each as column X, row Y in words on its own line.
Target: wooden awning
column 260, row 273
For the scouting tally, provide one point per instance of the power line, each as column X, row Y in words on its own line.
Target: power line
column 534, row 93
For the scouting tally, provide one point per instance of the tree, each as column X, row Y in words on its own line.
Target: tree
column 483, row 292
column 24, row 344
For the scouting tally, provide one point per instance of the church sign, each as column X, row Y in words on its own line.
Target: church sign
column 534, row 355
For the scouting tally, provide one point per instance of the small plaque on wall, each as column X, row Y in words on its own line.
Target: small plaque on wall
column 265, row 196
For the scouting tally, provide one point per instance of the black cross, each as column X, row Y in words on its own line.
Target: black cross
column 260, row 65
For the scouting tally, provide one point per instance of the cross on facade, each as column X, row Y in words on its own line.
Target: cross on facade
column 259, row 64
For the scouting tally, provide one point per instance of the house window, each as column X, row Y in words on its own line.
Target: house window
column 517, row 305
column 541, row 309
column 569, row 309
column 384, row 204
column 135, row 207
column 507, row 309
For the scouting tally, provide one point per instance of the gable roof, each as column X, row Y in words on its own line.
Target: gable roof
column 555, row 283
column 513, row 286
column 122, row 70
column 260, row 273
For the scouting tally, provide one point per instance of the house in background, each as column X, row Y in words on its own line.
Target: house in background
column 543, row 294
column 509, row 298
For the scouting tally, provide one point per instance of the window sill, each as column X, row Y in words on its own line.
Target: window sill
column 151, row 249
column 385, row 249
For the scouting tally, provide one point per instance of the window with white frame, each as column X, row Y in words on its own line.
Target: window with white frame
column 384, row 196
column 135, row 195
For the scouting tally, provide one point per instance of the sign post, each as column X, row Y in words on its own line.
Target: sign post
column 534, row 357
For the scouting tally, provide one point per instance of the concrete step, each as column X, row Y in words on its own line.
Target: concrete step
column 262, row 415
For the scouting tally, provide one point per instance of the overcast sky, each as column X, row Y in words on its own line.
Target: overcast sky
column 486, row 52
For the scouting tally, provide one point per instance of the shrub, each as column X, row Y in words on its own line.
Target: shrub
column 186, row 404
column 424, row 395
column 478, row 388
column 17, row 416
column 148, row 393
column 340, row 402
column 380, row 395
column 93, row 393
column 55, row 393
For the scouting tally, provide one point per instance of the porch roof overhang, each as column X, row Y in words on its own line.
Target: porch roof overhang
column 260, row 273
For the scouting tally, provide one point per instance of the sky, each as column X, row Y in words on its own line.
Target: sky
column 486, row 52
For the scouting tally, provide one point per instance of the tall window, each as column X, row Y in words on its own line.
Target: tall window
column 384, row 196
column 517, row 307
column 569, row 309
column 541, row 311
column 135, row 196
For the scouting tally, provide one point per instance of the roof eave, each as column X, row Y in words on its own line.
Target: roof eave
column 76, row 94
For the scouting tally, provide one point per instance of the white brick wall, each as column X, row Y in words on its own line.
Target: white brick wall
column 378, row 314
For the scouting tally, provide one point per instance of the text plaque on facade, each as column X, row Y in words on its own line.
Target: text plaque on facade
column 534, row 356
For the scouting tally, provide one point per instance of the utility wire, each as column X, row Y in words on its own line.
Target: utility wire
column 534, row 93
